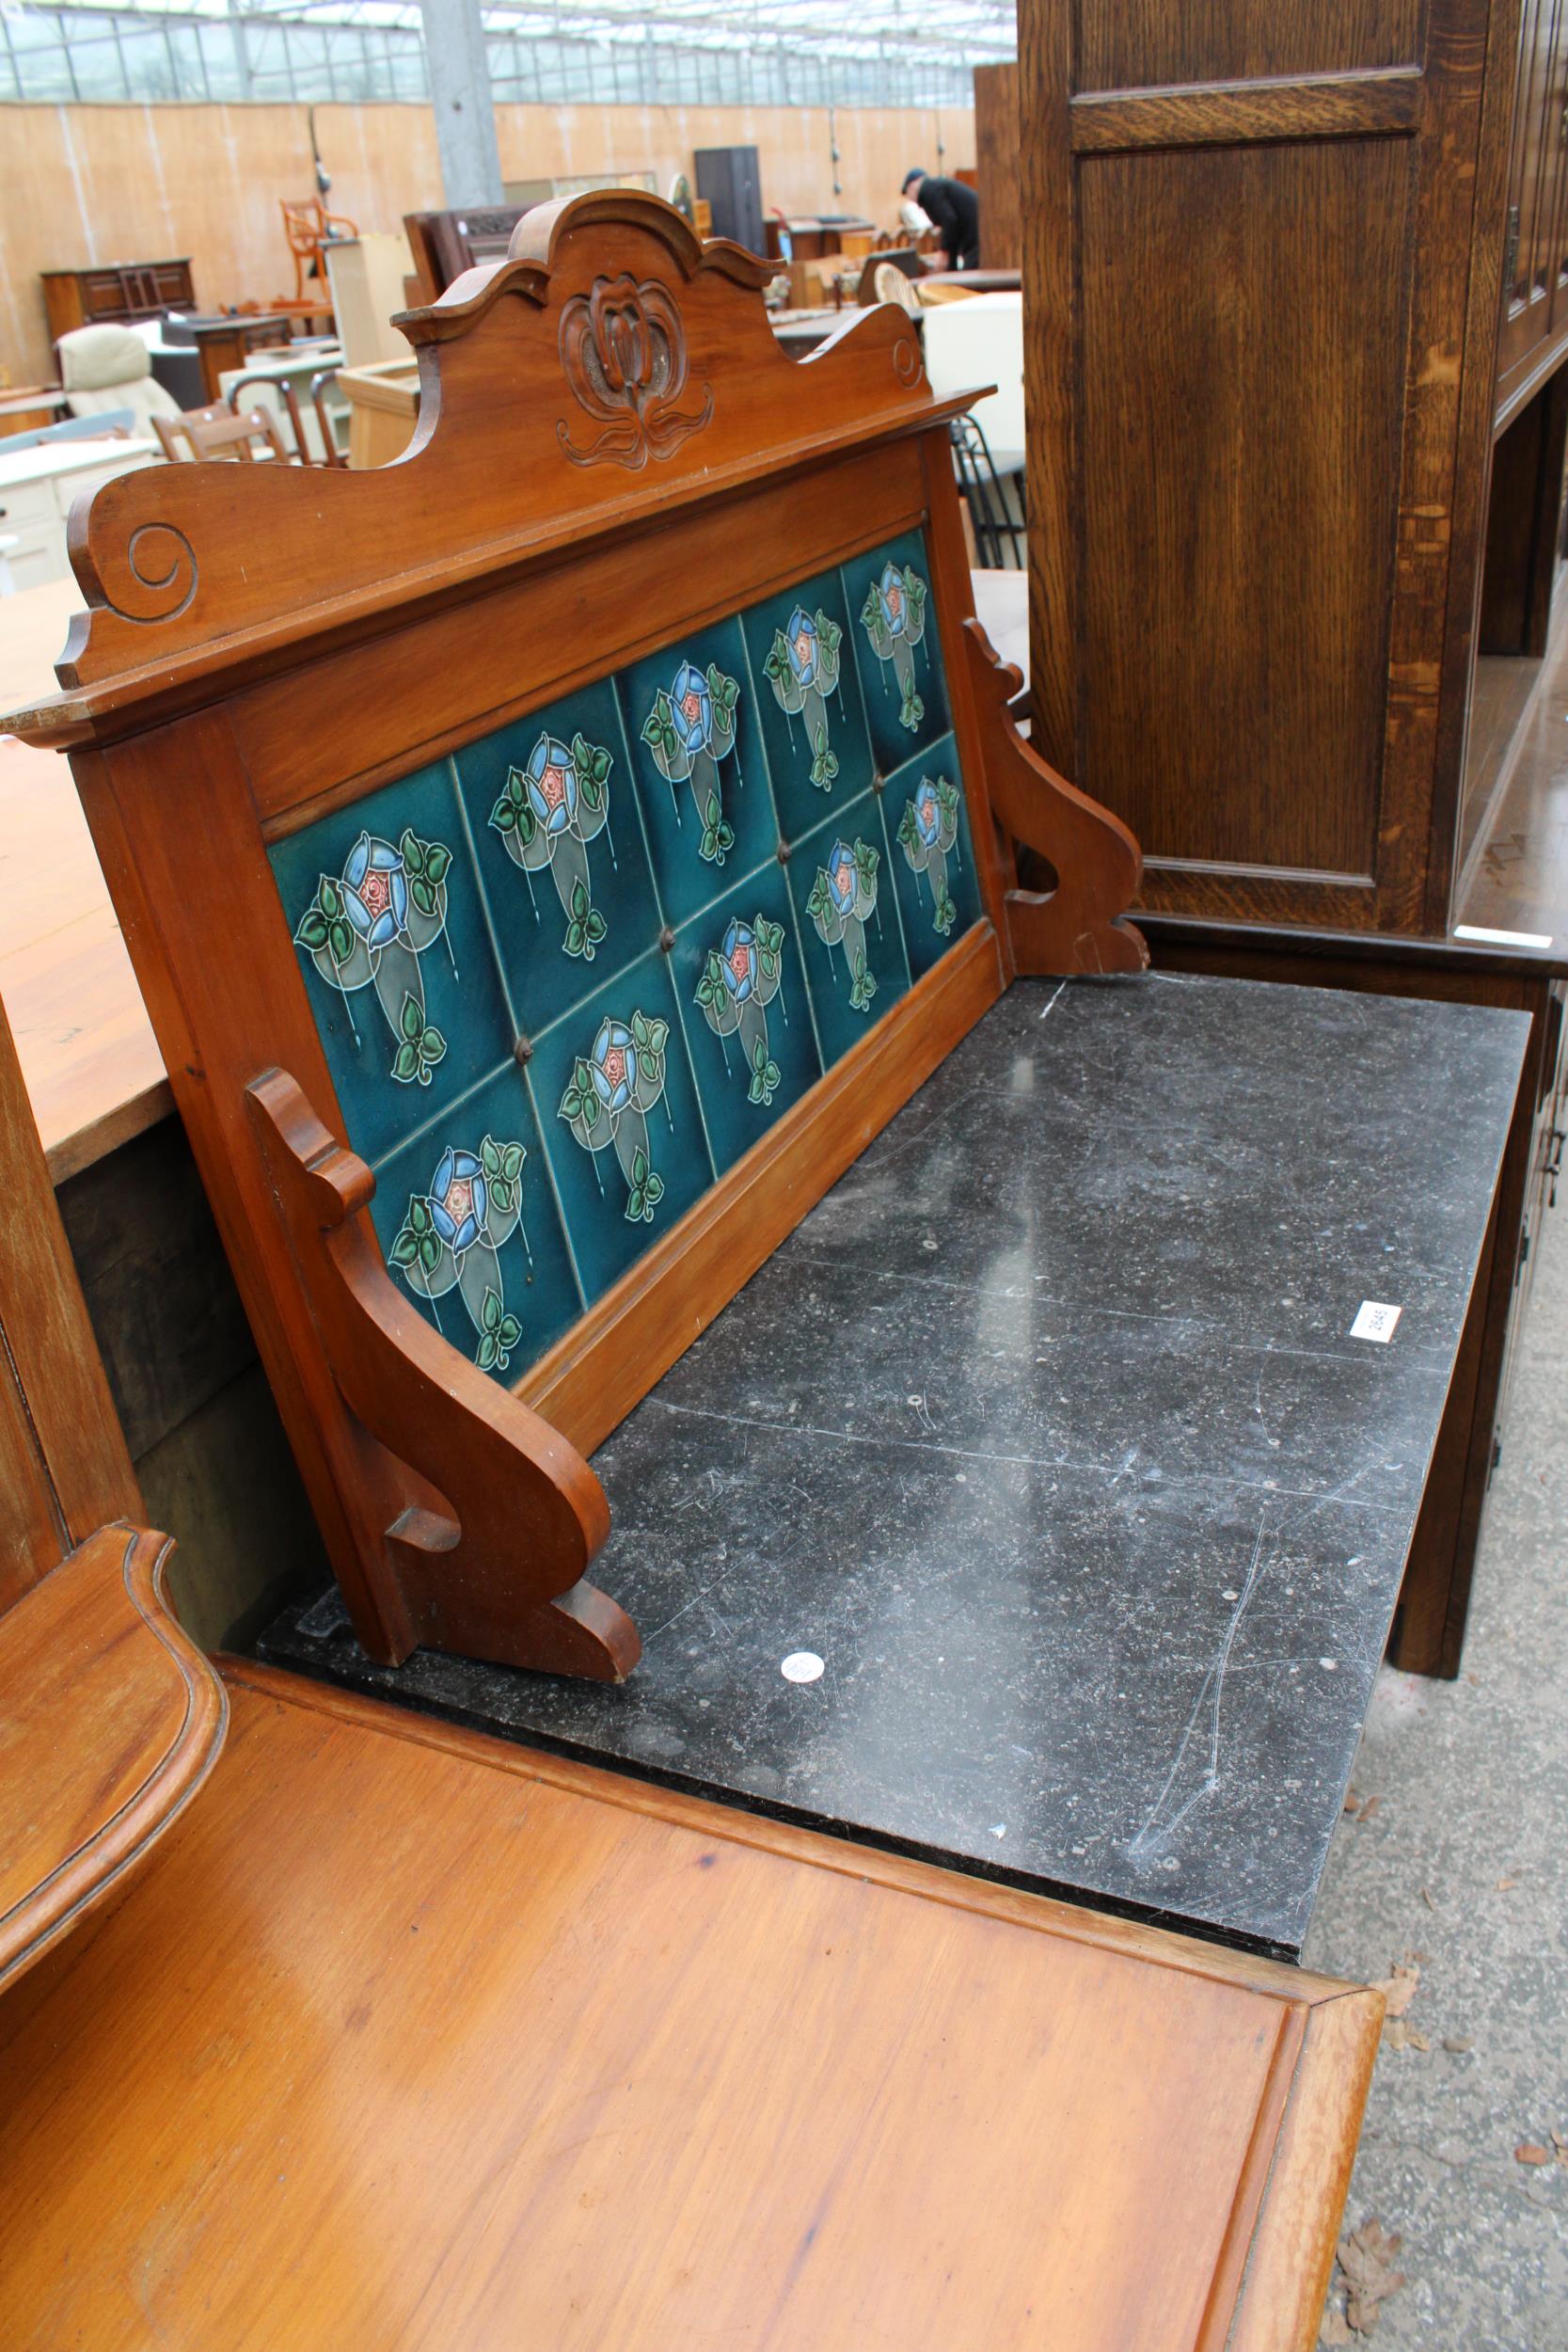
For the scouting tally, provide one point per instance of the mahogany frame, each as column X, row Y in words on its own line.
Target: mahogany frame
column 568, row 502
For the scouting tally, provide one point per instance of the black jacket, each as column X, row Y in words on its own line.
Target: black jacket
column 954, row 211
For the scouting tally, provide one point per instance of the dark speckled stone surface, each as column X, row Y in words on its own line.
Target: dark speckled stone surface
column 1045, row 1431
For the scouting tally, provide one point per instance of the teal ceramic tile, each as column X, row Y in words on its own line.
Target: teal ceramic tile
column 847, row 912
column 396, row 953
column 692, row 723
column 468, row 1219
column 551, row 804
column 931, row 856
column 614, row 1098
column 741, row 988
column 809, row 700
column 897, row 649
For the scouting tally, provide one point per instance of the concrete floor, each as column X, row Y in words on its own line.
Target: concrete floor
column 1462, row 1871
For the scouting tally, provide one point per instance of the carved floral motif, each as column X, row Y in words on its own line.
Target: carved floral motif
column 622, row 351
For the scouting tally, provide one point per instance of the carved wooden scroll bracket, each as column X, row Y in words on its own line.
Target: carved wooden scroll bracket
column 1077, row 925
column 501, row 1577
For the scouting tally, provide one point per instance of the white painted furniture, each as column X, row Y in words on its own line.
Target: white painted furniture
column 980, row 340
column 37, row 489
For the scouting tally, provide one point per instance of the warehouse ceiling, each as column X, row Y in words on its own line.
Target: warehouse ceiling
column 882, row 53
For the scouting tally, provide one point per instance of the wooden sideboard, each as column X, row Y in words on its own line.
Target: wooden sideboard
column 116, row 292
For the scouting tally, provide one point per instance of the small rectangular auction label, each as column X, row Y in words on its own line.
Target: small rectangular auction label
column 1375, row 1321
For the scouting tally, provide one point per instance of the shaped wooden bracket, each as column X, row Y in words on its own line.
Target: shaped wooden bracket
column 498, row 1574
column 1078, row 927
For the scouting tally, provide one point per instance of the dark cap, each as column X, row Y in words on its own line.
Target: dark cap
column 919, row 172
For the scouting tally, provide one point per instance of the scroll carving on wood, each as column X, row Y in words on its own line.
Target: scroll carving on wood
column 500, row 1573
column 623, row 352
column 1078, row 927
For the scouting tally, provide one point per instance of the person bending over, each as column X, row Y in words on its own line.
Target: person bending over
column 953, row 213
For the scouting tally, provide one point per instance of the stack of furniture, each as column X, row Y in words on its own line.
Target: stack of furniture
column 579, row 2055
column 1268, row 534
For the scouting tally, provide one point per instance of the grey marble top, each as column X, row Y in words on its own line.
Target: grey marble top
column 1047, row 1433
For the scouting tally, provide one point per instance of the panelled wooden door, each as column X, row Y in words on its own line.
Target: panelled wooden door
column 1534, row 308
column 1248, row 285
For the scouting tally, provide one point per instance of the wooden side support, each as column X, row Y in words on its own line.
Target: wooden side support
column 1077, row 925
column 494, row 1567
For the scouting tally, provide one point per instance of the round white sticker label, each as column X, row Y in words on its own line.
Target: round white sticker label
column 801, row 1666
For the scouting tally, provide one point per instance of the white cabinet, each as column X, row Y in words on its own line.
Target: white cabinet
column 38, row 488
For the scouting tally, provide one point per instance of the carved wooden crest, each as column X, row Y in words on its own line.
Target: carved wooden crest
column 622, row 351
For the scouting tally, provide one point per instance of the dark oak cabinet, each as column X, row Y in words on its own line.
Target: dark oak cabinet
column 1262, row 285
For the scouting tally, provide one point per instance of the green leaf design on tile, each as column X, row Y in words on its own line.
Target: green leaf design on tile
column 411, row 1019
column 944, row 910
column 339, row 939
column 717, row 835
column 863, row 982
column 406, row 1248
column 824, row 766
column 312, row 930
column 764, row 1074
column 405, row 1063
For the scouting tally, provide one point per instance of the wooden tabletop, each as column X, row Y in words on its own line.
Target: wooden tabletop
column 94, row 1074
column 407, row 2038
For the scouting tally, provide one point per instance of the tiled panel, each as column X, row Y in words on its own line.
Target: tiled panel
column 809, row 699
column 850, row 932
column 560, row 851
column 619, row 1113
column 468, row 1210
column 421, row 1017
column 932, row 858
column 580, row 979
column 740, row 983
column 708, row 756
column 897, row 649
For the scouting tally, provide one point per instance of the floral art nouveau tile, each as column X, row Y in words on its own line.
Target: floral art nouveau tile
column 740, row 984
column 468, row 1219
column 396, row 955
column 850, row 932
column 897, row 649
column 931, row 856
column 695, row 739
column 551, row 802
column 809, row 701
column 613, row 1095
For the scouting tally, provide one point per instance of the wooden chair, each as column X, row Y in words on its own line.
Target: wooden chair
column 307, row 226
column 404, row 2037
column 220, row 432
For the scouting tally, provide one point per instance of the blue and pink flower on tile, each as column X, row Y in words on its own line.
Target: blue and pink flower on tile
column 690, row 731
column 741, row 978
column 547, row 812
column 453, row 1234
column 368, row 926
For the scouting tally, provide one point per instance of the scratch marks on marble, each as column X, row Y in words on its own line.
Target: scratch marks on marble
column 1159, row 1827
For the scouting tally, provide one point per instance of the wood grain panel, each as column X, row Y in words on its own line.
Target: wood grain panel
column 996, row 165
column 109, row 1722
column 1239, row 505
column 1124, row 43
column 64, row 1469
column 1341, row 106
column 576, row 2063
